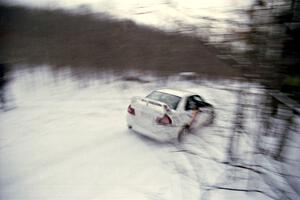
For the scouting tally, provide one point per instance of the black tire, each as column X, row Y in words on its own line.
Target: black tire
column 182, row 133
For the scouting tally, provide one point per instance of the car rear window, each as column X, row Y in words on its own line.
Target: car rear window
column 169, row 99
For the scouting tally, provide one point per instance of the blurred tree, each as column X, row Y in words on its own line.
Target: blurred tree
column 272, row 42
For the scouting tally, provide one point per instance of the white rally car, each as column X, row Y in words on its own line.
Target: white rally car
column 164, row 113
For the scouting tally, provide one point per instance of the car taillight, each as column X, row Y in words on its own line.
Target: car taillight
column 131, row 110
column 165, row 120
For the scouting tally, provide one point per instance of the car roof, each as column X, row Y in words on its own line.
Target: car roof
column 176, row 92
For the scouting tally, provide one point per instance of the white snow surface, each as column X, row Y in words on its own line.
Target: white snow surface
column 68, row 139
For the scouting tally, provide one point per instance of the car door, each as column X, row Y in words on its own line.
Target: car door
column 183, row 113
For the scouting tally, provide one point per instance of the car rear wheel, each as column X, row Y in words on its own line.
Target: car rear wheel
column 182, row 133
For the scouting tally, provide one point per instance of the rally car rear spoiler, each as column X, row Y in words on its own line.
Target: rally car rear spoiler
column 152, row 102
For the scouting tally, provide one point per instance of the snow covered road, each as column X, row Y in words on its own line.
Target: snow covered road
column 68, row 139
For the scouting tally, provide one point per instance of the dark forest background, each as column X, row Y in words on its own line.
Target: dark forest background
column 84, row 40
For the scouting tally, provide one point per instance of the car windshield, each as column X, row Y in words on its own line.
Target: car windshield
column 197, row 98
column 169, row 99
column 194, row 102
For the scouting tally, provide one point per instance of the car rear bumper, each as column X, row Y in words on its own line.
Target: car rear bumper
column 158, row 132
